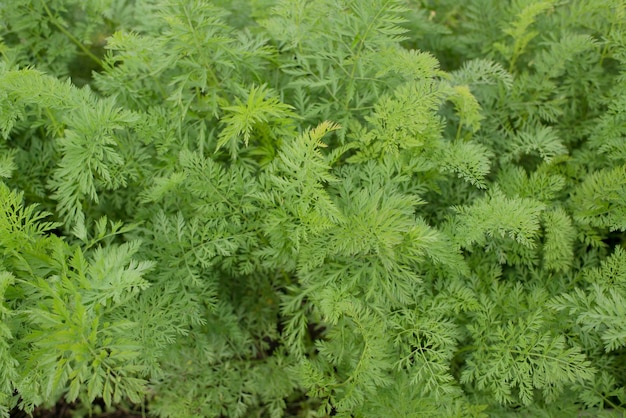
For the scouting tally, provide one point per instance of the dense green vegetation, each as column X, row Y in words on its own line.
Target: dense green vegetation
column 382, row 208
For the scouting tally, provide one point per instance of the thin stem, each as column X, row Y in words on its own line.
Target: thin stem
column 360, row 44
column 71, row 37
column 459, row 129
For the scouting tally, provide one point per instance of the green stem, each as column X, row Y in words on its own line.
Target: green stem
column 359, row 43
column 466, row 348
column 71, row 37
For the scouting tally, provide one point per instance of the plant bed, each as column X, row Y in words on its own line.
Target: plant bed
column 267, row 208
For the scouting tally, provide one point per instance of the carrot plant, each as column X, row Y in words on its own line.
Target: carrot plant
column 383, row 208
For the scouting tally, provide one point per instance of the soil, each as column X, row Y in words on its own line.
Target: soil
column 64, row 410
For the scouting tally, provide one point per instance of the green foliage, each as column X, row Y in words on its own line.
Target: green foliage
column 345, row 208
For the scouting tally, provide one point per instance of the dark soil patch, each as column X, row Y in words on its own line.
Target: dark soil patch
column 66, row 410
